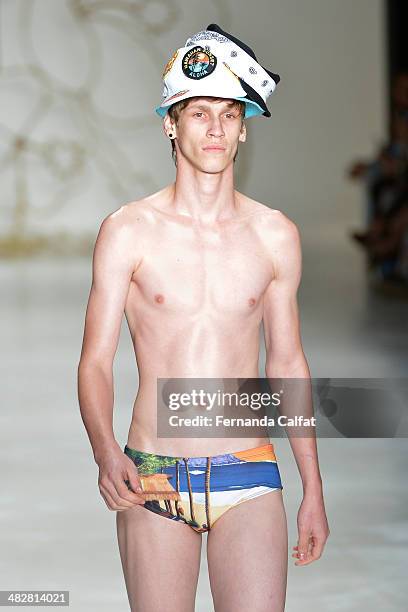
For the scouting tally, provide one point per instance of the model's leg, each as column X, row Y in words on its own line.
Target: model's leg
column 247, row 552
column 160, row 560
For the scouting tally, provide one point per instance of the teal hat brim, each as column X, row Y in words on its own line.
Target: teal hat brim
column 252, row 109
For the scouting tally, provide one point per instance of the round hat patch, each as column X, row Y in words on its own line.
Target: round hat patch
column 198, row 63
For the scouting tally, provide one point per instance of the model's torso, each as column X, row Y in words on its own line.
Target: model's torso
column 194, row 310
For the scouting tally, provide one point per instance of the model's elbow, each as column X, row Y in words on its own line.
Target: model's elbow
column 88, row 366
column 289, row 366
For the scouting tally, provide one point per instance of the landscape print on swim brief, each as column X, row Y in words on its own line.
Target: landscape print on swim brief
column 198, row 490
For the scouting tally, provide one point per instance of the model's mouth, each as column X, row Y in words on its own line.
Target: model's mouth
column 214, row 148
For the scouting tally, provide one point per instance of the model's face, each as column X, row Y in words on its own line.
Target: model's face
column 208, row 133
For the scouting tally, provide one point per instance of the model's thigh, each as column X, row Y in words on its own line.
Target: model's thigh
column 160, row 560
column 247, row 551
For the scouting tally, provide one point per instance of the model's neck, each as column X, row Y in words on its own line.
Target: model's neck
column 205, row 197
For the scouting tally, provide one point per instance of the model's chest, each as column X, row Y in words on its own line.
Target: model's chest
column 220, row 273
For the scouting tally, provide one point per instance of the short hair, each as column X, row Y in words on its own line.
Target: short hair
column 176, row 108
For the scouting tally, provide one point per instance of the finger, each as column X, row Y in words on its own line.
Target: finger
column 297, row 547
column 124, row 493
column 305, row 561
column 315, row 554
column 303, row 544
column 306, row 555
column 109, row 487
column 109, row 500
column 138, row 495
column 117, row 489
column 317, row 549
column 133, row 481
column 311, row 546
column 133, row 490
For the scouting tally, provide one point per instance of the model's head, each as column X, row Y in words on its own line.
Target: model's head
column 200, row 122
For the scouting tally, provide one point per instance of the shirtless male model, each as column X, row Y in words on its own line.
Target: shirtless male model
column 196, row 268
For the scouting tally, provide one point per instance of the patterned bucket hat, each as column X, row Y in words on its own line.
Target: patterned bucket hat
column 215, row 63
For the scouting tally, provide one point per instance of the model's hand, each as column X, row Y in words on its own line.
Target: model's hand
column 114, row 469
column 313, row 529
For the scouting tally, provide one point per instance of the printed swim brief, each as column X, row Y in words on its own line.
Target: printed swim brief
column 198, row 490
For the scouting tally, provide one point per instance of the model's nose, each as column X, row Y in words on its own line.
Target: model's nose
column 216, row 128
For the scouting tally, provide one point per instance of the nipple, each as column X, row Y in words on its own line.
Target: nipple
column 159, row 298
column 252, row 301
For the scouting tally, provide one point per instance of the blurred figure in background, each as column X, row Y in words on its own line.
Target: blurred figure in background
column 386, row 237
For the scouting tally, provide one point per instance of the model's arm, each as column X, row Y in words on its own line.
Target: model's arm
column 112, row 269
column 285, row 359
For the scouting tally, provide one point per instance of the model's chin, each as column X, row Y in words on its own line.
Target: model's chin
column 214, row 165
column 211, row 161
column 218, row 158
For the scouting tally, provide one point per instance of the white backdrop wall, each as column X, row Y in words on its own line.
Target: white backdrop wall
column 79, row 82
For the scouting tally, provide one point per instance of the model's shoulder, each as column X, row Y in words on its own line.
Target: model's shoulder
column 253, row 207
column 272, row 219
column 146, row 208
column 134, row 212
column 118, row 227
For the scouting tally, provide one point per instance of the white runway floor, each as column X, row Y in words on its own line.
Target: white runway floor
column 56, row 532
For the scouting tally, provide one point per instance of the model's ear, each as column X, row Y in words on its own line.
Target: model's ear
column 242, row 135
column 169, row 128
